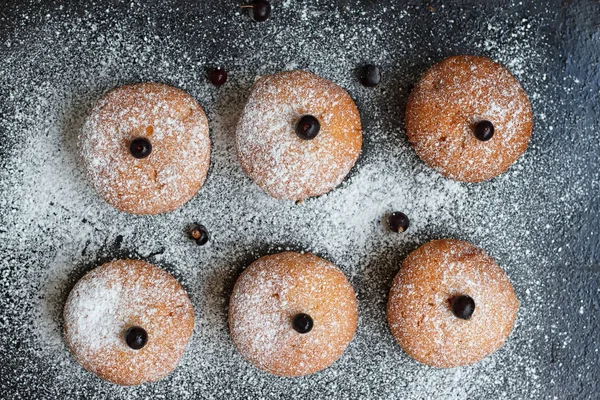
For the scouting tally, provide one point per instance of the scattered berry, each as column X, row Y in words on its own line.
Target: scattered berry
column 217, row 76
column 260, row 10
column 199, row 233
column 398, row 222
column 370, row 75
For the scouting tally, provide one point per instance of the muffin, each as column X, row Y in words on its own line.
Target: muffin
column 469, row 118
column 128, row 322
column 145, row 148
column 299, row 135
column 292, row 314
column 451, row 304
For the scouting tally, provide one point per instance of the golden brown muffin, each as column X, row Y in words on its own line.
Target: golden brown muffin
column 275, row 157
column 420, row 312
column 275, row 289
column 120, row 295
column 449, row 101
column 177, row 129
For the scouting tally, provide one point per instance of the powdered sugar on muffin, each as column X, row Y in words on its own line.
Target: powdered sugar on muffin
column 271, row 292
column 447, row 103
column 175, row 169
column 282, row 164
column 115, row 297
column 419, row 306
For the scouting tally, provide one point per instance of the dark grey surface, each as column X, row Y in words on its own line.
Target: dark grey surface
column 550, row 206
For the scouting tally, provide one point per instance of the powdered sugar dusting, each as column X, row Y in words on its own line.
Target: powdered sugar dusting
column 538, row 220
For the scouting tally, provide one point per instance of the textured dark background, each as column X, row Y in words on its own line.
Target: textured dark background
column 556, row 193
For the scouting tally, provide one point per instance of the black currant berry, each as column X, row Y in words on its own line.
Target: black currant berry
column 302, row 323
column 260, row 10
column 140, row 148
column 307, row 127
column 398, row 222
column 484, row 130
column 370, row 75
column 463, row 306
column 136, row 337
column 217, row 76
column 199, row 233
